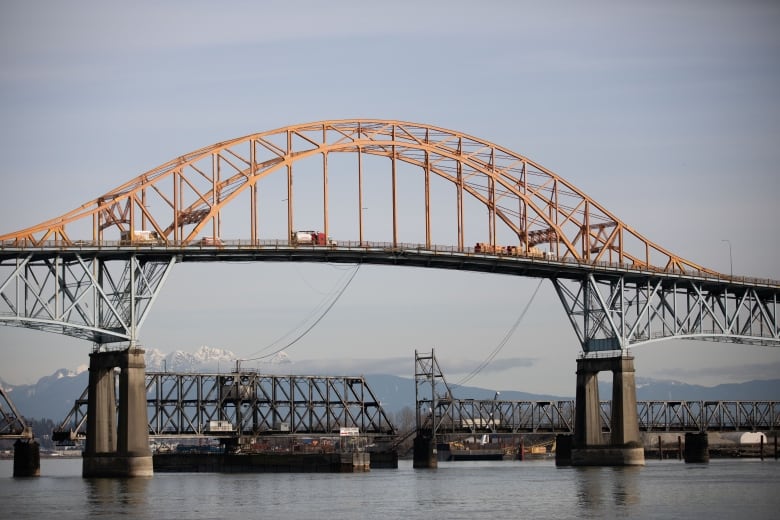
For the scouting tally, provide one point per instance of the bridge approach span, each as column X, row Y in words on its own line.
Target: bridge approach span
column 53, row 286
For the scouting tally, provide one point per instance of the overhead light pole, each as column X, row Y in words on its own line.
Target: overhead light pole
column 731, row 260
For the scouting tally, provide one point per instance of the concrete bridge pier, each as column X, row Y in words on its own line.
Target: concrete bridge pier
column 624, row 447
column 425, row 455
column 697, row 447
column 117, row 445
column 27, row 458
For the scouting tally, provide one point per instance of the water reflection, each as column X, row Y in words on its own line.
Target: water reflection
column 607, row 488
column 118, row 495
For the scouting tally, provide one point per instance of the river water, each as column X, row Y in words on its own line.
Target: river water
column 724, row 488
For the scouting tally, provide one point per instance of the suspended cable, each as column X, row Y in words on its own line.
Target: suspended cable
column 310, row 327
column 314, row 312
column 468, row 377
column 305, row 280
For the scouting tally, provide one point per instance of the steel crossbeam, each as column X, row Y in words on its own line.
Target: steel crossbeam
column 249, row 403
column 100, row 297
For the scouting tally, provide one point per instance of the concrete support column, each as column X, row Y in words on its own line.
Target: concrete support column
column 563, row 445
column 625, row 420
column 625, row 447
column 133, row 435
column 101, row 407
column 587, row 415
column 27, row 458
column 425, row 455
column 111, row 450
column 697, row 447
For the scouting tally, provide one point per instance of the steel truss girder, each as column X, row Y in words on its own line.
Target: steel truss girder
column 709, row 415
column 103, row 299
column 474, row 417
column 614, row 312
column 185, row 404
column 500, row 416
column 12, row 424
column 441, row 414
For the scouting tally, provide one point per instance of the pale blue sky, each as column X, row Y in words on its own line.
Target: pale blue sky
column 667, row 113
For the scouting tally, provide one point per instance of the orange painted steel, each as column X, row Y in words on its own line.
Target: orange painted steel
column 182, row 200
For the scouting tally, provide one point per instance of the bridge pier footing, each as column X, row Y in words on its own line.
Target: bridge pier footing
column 117, row 446
column 696, row 447
column 563, row 443
column 425, row 455
column 624, row 447
column 27, row 458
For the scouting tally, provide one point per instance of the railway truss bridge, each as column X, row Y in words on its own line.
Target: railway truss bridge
column 439, row 411
column 439, row 199
column 248, row 404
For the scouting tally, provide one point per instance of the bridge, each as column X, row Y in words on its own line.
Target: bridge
column 12, row 424
column 438, row 410
column 448, row 201
column 250, row 404
column 246, row 403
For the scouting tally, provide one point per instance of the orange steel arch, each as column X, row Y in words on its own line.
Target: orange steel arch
column 181, row 198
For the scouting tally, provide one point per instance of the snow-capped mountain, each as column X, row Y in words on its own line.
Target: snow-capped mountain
column 207, row 359
column 52, row 397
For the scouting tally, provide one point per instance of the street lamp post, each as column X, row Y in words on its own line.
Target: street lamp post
column 731, row 261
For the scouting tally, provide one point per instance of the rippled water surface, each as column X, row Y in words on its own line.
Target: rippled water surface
column 743, row 489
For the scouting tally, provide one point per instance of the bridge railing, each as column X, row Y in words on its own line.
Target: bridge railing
column 366, row 246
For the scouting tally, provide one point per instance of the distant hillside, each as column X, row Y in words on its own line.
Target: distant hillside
column 655, row 390
column 51, row 397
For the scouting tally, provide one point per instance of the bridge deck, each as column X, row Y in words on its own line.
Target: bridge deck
column 383, row 253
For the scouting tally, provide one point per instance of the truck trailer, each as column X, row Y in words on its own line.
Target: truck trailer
column 311, row 238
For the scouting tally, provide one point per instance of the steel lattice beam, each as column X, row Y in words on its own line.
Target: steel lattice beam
column 12, row 424
column 475, row 417
column 189, row 404
column 89, row 295
column 611, row 313
column 441, row 414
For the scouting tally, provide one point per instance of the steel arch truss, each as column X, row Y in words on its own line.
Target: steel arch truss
column 611, row 313
column 526, row 204
column 88, row 296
